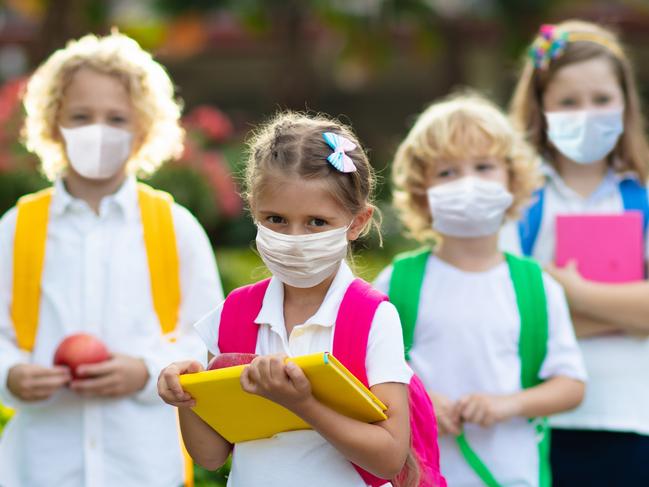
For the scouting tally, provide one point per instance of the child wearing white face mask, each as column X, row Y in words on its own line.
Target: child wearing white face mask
column 578, row 103
column 100, row 254
column 309, row 188
column 489, row 334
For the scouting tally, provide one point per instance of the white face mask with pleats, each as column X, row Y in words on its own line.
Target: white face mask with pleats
column 302, row 260
column 468, row 207
column 585, row 136
column 97, row 151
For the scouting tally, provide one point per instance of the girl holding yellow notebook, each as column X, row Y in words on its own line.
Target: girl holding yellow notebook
column 309, row 187
column 98, row 253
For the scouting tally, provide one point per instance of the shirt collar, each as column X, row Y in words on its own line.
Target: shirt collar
column 609, row 184
column 272, row 308
column 125, row 199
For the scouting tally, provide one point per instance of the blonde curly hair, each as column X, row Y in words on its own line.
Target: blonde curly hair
column 463, row 126
column 150, row 90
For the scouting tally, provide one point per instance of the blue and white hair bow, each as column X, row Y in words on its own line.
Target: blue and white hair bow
column 338, row 158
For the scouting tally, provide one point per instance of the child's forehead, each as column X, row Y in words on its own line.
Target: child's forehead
column 475, row 151
column 296, row 195
column 591, row 74
column 87, row 79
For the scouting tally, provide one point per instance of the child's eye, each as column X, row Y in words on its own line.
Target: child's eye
column 445, row 173
column 116, row 120
column 568, row 102
column 317, row 222
column 602, row 100
column 275, row 219
column 485, row 166
column 79, row 117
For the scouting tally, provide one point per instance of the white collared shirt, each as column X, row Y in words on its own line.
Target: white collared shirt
column 466, row 342
column 617, row 396
column 96, row 280
column 301, row 458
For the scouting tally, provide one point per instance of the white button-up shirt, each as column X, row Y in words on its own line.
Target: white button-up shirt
column 96, row 280
column 305, row 458
column 617, row 396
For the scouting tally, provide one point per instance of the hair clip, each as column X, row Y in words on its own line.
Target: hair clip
column 338, row 158
column 548, row 45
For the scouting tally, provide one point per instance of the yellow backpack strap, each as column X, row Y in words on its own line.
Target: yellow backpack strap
column 29, row 256
column 162, row 254
column 164, row 269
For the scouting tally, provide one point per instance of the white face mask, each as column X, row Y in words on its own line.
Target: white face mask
column 585, row 136
column 97, row 151
column 468, row 207
column 302, row 260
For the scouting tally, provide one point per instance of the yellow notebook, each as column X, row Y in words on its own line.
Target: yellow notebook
column 239, row 416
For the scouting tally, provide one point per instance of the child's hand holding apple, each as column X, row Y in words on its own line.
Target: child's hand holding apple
column 95, row 371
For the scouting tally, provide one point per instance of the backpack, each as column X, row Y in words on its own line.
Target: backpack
column 238, row 333
column 634, row 198
column 162, row 255
column 405, row 289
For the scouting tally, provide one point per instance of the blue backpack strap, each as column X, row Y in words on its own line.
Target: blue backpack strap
column 634, row 197
column 530, row 224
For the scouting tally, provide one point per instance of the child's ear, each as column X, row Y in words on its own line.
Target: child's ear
column 360, row 222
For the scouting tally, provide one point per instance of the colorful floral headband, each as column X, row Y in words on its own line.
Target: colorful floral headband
column 551, row 43
column 338, row 158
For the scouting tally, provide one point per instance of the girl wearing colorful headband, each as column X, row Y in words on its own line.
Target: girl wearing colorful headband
column 101, row 254
column 309, row 188
column 578, row 103
column 488, row 361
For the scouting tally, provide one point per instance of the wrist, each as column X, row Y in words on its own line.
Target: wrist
column 305, row 407
column 514, row 406
column 577, row 295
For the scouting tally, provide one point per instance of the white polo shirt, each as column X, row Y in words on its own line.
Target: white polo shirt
column 617, row 396
column 300, row 458
column 96, row 280
column 466, row 342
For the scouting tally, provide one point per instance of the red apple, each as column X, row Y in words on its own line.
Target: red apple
column 79, row 349
column 230, row 360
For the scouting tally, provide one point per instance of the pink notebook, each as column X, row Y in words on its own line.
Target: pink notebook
column 607, row 248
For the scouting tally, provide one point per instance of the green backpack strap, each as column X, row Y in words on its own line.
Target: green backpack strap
column 408, row 271
column 527, row 279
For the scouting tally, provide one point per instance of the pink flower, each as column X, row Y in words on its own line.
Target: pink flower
column 10, row 94
column 222, row 183
column 212, row 122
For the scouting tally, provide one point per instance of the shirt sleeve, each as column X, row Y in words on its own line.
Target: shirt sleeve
column 385, row 361
column 207, row 329
column 563, row 355
column 200, row 290
column 382, row 282
column 10, row 354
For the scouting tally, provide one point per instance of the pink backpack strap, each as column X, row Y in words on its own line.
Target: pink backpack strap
column 351, row 334
column 238, row 330
column 353, row 325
